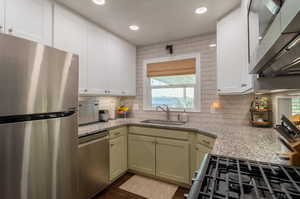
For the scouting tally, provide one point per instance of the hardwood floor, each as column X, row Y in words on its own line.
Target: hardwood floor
column 114, row 192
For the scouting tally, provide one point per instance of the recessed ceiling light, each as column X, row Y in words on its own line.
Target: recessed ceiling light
column 134, row 27
column 212, row 45
column 201, row 10
column 99, row 2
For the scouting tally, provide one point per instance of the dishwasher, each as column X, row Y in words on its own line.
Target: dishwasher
column 93, row 164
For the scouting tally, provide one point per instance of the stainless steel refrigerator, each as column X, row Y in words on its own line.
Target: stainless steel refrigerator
column 38, row 121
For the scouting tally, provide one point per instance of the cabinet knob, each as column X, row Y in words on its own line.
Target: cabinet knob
column 244, row 85
column 85, row 90
column 10, row 30
column 1, row 27
column 219, row 89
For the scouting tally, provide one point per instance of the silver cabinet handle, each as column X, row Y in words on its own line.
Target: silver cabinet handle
column 244, row 85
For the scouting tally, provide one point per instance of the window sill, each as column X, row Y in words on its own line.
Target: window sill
column 173, row 110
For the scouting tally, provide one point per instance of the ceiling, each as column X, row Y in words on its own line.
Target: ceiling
column 159, row 20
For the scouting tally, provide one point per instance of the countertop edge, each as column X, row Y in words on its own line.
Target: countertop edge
column 178, row 128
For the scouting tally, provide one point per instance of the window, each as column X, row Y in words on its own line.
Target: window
column 296, row 106
column 173, row 82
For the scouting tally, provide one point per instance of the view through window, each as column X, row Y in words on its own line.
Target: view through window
column 296, row 106
column 175, row 91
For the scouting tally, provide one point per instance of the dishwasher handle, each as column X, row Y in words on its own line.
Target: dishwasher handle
column 93, row 137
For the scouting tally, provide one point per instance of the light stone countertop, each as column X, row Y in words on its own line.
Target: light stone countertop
column 259, row 144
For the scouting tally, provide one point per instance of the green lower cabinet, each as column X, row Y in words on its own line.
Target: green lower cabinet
column 200, row 153
column 141, row 154
column 117, row 157
column 172, row 160
column 167, row 154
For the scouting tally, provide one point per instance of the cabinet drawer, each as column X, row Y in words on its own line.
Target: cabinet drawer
column 206, row 141
column 165, row 133
column 117, row 132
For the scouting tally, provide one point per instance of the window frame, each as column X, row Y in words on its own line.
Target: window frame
column 147, row 106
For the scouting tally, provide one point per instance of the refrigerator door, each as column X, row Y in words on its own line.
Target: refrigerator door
column 35, row 78
column 38, row 159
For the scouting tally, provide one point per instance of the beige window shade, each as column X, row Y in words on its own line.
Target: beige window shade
column 170, row 68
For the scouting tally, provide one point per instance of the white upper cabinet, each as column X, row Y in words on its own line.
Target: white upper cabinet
column 29, row 19
column 111, row 62
column 232, row 59
column 107, row 63
column 1, row 16
column 70, row 35
column 98, row 60
column 128, row 71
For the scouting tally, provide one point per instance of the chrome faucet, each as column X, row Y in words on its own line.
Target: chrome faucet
column 166, row 109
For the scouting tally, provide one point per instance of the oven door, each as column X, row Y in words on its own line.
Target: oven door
column 261, row 15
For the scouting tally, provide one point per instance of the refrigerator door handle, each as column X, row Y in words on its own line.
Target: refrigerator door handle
column 33, row 117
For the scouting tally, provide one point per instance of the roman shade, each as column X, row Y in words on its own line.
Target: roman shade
column 170, row 68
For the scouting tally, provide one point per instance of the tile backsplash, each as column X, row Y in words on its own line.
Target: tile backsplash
column 106, row 103
column 234, row 109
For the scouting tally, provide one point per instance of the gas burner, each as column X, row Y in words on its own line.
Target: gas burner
column 231, row 178
column 235, row 186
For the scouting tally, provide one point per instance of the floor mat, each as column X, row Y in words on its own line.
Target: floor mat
column 149, row 188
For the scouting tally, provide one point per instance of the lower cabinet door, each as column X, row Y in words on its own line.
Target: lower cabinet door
column 141, row 154
column 172, row 160
column 117, row 157
column 200, row 153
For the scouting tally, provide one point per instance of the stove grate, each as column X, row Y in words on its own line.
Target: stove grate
column 232, row 178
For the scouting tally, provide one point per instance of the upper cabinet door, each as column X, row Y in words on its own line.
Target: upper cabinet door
column 99, row 76
column 229, row 53
column 29, row 19
column 70, row 35
column 128, row 68
column 1, row 16
column 232, row 54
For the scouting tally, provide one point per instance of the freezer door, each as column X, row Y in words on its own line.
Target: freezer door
column 38, row 159
column 35, row 78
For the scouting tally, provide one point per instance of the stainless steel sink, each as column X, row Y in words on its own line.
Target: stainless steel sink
column 164, row 122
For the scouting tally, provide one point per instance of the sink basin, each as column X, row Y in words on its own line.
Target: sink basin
column 164, row 122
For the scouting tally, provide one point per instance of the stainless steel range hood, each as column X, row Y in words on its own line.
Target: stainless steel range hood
column 281, row 57
column 285, row 63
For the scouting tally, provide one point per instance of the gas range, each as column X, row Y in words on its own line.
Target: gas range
column 231, row 178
